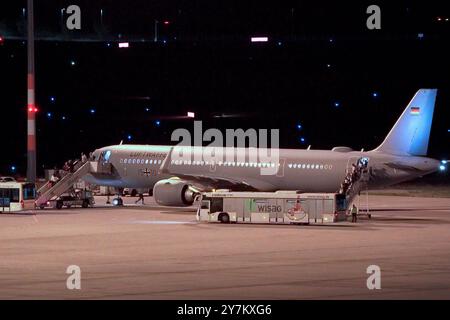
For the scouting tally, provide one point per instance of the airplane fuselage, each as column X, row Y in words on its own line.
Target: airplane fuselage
column 139, row 166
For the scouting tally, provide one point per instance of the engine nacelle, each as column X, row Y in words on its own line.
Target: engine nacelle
column 174, row 193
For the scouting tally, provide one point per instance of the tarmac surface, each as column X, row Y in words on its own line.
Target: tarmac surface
column 151, row 252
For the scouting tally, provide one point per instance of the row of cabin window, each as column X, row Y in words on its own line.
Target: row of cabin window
column 225, row 164
column 310, row 166
column 140, row 161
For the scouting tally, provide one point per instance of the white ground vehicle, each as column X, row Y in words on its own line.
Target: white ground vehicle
column 281, row 207
column 7, row 179
column 17, row 196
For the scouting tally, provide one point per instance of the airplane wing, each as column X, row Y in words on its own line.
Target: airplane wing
column 203, row 182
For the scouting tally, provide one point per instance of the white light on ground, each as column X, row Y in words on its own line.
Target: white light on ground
column 124, row 44
column 259, row 39
column 191, row 115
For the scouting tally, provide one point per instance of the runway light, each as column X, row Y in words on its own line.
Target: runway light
column 52, row 99
column 299, row 126
column 49, row 114
column 302, row 140
column 13, row 168
column 259, row 39
column 191, row 115
column 442, row 167
column 124, row 44
column 92, row 111
column 375, row 94
column 147, row 109
column 166, row 22
column 158, row 123
column 337, row 104
column 444, row 161
column 129, row 137
column 72, row 63
column 63, row 118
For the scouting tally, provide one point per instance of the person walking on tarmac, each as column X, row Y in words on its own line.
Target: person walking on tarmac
column 83, row 157
column 141, row 198
column 354, row 212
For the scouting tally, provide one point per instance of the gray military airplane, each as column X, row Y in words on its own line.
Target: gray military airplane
column 399, row 158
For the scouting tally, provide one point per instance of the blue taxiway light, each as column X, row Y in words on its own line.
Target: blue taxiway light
column 157, row 122
column 442, row 167
column 13, row 168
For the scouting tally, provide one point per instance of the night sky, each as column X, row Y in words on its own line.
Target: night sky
column 323, row 78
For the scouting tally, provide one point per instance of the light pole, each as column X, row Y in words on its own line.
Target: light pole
column 155, row 39
column 31, row 105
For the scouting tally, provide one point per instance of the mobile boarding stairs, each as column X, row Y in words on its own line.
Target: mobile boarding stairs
column 50, row 191
column 356, row 180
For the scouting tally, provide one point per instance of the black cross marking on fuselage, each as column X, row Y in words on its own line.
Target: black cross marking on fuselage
column 146, row 172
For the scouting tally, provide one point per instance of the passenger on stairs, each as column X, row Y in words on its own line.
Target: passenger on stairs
column 66, row 166
column 54, row 179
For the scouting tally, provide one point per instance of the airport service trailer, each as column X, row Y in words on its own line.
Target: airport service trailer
column 281, row 207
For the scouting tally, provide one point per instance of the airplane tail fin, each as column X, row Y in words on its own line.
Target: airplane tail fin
column 411, row 132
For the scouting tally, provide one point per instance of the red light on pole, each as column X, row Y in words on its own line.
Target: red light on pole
column 32, row 109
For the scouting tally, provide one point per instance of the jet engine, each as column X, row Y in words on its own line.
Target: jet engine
column 174, row 193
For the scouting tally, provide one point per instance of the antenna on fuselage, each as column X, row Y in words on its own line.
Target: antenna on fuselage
column 309, row 147
column 121, row 141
